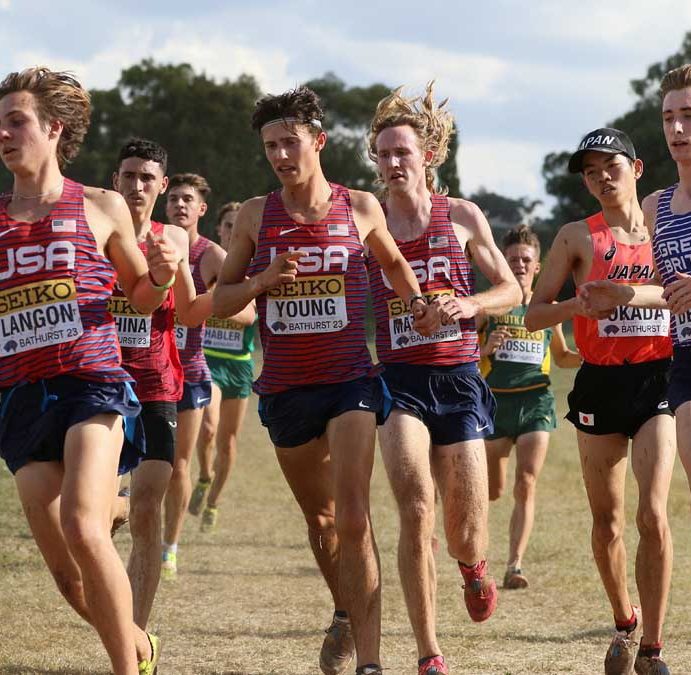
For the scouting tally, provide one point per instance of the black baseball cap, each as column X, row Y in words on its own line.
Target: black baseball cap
column 609, row 140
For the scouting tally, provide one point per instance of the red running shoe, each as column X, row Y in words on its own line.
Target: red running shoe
column 434, row 665
column 480, row 591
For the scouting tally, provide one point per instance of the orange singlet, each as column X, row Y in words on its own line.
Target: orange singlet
column 628, row 334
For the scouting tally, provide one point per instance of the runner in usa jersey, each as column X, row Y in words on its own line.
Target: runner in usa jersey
column 442, row 407
column 64, row 392
column 516, row 365
column 185, row 205
column 228, row 346
column 620, row 391
column 300, row 253
column 151, row 356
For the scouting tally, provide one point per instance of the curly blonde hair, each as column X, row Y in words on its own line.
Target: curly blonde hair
column 431, row 122
column 58, row 96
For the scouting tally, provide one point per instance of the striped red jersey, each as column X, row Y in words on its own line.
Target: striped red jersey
column 441, row 268
column 628, row 334
column 189, row 340
column 54, row 291
column 313, row 329
column 147, row 342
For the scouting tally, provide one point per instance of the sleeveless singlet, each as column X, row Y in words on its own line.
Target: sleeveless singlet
column 313, row 330
column 189, row 340
column 441, row 268
column 54, row 291
column 227, row 339
column 628, row 334
column 147, row 342
column 523, row 361
column 672, row 251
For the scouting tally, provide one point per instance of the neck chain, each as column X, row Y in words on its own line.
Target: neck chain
column 40, row 195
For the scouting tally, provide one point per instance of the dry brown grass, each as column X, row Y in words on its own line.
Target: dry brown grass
column 250, row 601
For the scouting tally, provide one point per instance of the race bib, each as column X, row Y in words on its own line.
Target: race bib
column 401, row 329
column 134, row 329
column 522, row 347
column 682, row 323
column 38, row 315
column 307, row 305
column 634, row 322
column 180, row 336
column 223, row 334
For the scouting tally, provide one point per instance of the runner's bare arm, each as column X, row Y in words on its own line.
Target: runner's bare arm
column 111, row 223
column 371, row 223
column 472, row 228
column 234, row 290
column 563, row 257
column 562, row 355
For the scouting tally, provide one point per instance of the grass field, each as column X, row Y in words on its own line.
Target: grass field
column 249, row 599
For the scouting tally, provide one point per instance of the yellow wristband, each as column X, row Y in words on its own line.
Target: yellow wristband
column 165, row 286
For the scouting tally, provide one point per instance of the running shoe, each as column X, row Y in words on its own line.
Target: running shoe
column 209, row 518
column 623, row 649
column 434, row 665
column 198, row 496
column 150, row 667
column 369, row 670
column 169, row 566
column 338, row 648
column 480, row 591
column 650, row 665
column 514, row 579
column 123, row 518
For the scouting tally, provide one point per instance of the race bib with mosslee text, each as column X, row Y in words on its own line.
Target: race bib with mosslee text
column 37, row 315
column 307, row 305
column 522, row 347
column 134, row 329
column 223, row 334
column 401, row 329
column 634, row 322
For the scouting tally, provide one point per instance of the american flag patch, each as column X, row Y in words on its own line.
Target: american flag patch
column 337, row 229
column 63, row 225
column 586, row 419
column 438, row 242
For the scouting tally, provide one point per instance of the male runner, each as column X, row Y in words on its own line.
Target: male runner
column 516, row 365
column 228, row 346
column 64, row 392
column 442, row 408
column 625, row 351
column 185, row 205
column 149, row 354
column 318, row 396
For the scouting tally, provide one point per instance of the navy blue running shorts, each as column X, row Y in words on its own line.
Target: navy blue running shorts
column 35, row 418
column 680, row 377
column 160, row 420
column 619, row 399
column 453, row 402
column 296, row 416
column 195, row 395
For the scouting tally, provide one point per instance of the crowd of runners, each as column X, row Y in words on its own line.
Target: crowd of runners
column 126, row 344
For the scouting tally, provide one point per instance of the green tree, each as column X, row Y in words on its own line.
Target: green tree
column 503, row 210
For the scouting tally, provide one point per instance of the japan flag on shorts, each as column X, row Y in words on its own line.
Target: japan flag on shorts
column 587, row 419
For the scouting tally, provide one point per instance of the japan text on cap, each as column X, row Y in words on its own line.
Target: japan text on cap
column 608, row 140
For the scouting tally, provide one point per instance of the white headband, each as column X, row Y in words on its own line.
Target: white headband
column 292, row 120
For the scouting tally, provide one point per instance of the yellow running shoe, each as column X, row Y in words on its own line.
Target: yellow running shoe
column 169, row 566
column 198, row 497
column 209, row 518
column 150, row 667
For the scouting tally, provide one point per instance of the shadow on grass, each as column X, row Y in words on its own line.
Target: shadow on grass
column 286, row 572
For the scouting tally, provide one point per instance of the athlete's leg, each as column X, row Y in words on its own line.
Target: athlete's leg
column 460, row 470
column 307, row 469
column 207, row 434
column 498, row 451
column 180, row 487
column 148, row 488
column 603, row 463
column 652, row 460
column 91, row 454
column 351, row 439
column 39, row 485
column 531, row 450
column 232, row 415
column 683, row 418
column 405, row 447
